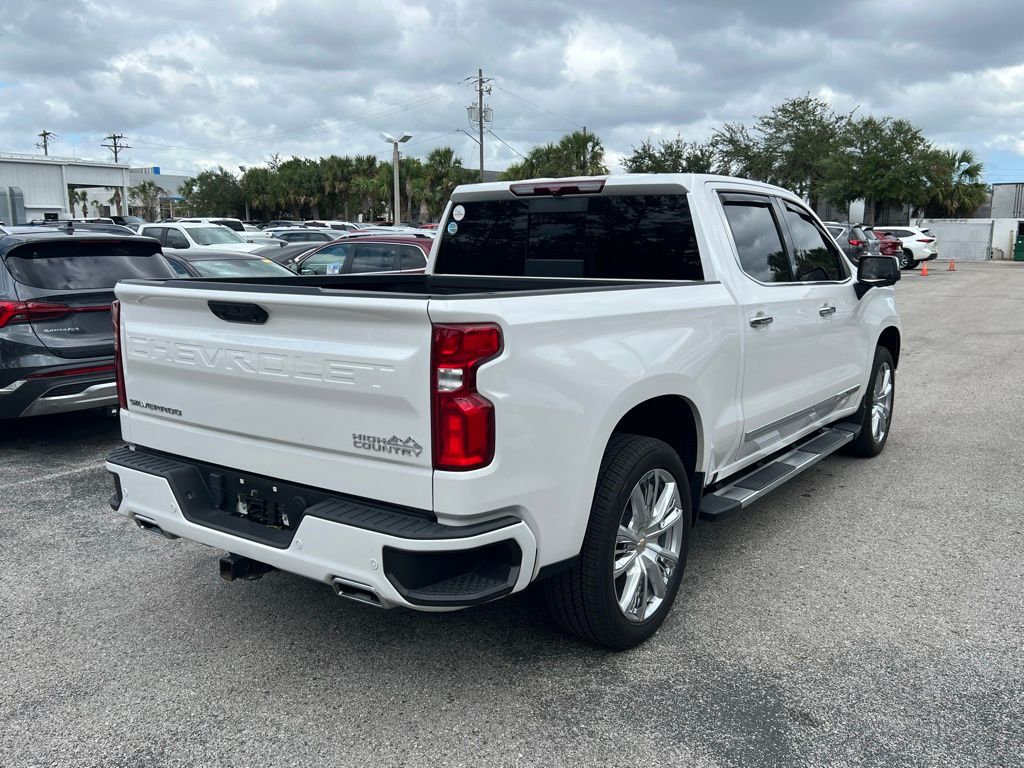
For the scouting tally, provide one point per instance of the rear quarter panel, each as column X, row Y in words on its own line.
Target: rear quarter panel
column 573, row 364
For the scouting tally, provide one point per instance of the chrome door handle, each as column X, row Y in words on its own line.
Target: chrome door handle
column 827, row 310
column 761, row 320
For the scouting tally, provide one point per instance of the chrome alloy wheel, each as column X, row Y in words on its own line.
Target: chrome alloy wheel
column 881, row 403
column 647, row 545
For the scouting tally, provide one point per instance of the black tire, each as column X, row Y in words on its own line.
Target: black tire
column 582, row 600
column 907, row 260
column 866, row 444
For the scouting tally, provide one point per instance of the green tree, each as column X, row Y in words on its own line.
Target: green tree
column 303, row 187
column 675, row 156
column 214, row 193
column 884, row 161
column 115, row 199
column 956, row 186
column 78, row 197
column 579, row 153
column 442, row 173
column 146, row 195
column 794, row 145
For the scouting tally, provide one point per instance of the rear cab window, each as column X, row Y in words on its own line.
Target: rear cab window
column 71, row 265
column 758, row 237
column 638, row 237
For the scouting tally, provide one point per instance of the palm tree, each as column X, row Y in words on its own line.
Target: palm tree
column 79, row 197
column 146, row 194
column 958, row 189
column 442, row 172
column 115, row 200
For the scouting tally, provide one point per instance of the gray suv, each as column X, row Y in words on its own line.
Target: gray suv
column 854, row 239
column 56, row 333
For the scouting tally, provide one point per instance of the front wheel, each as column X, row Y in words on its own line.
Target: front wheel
column 634, row 551
column 875, row 413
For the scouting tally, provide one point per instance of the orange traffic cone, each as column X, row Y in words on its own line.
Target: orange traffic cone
column 952, row 266
column 924, row 269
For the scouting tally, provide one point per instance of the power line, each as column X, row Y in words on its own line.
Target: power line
column 538, row 106
column 114, row 146
column 506, row 143
column 329, row 125
column 433, row 138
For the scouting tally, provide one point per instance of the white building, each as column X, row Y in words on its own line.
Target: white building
column 32, row 186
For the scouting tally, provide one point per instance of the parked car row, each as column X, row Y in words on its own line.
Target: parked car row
column 56, row 286
column 910, row 245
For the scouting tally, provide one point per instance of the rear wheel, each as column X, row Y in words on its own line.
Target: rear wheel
column 875, row 413
column 907, row 259
column 634, row 552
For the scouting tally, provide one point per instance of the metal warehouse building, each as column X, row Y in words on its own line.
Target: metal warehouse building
column 31, row 186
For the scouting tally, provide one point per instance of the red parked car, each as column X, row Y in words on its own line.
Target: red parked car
column 889, row 245
column 370, row 253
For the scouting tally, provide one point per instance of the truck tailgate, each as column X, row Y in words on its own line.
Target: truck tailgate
column 327, row 391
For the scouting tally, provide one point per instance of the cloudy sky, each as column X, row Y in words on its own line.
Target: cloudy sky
column 193, row 83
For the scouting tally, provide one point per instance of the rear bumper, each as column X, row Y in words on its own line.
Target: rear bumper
column 39, row 397
column 397, row 557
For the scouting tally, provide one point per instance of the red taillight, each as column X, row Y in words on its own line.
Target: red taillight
column 72, row 372
column 12, row 312
column 115, row 315
column 926, row 239
column 463, row 418
column 559, row 187
column 857, row 243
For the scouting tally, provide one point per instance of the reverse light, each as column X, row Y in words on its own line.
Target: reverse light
column 463, row 419
column 558, row 188
column 115, row 315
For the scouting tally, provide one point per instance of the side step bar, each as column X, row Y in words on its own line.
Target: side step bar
column 730, row 499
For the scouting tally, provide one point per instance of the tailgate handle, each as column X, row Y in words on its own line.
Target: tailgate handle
column 236, row 312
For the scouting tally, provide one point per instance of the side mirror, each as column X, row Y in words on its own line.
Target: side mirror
column 876, row 272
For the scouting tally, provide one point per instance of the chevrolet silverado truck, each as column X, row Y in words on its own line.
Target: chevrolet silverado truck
column 587, row 368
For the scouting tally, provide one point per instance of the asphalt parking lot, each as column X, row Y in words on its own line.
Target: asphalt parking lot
column 867, row 613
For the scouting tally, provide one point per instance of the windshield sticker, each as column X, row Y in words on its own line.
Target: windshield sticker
column 452, row 227
column 458, row 213
column 334, row 269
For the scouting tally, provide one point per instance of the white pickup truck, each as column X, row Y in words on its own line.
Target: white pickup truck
column 588, row 368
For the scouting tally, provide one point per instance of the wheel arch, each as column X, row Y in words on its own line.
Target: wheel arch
column 675, row 420
column 890, row 339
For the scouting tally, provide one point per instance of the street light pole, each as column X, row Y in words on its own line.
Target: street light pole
column 396, row 211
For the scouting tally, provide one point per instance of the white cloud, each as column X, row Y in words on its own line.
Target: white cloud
column 193, row 83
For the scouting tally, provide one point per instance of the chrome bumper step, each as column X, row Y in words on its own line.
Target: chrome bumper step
column 745, row 490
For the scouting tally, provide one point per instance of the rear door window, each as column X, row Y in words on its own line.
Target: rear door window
column 174, row 239
column 373, row 257
column 411, row 257
column 80, row 264
column 610, row 236
column 758, row 238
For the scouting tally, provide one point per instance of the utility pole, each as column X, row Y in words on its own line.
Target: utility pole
column 479, row 113
column 45, row 143
column 114, row 145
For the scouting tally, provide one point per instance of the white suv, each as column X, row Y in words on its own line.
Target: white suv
column 179, row 236
column 918, row 244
